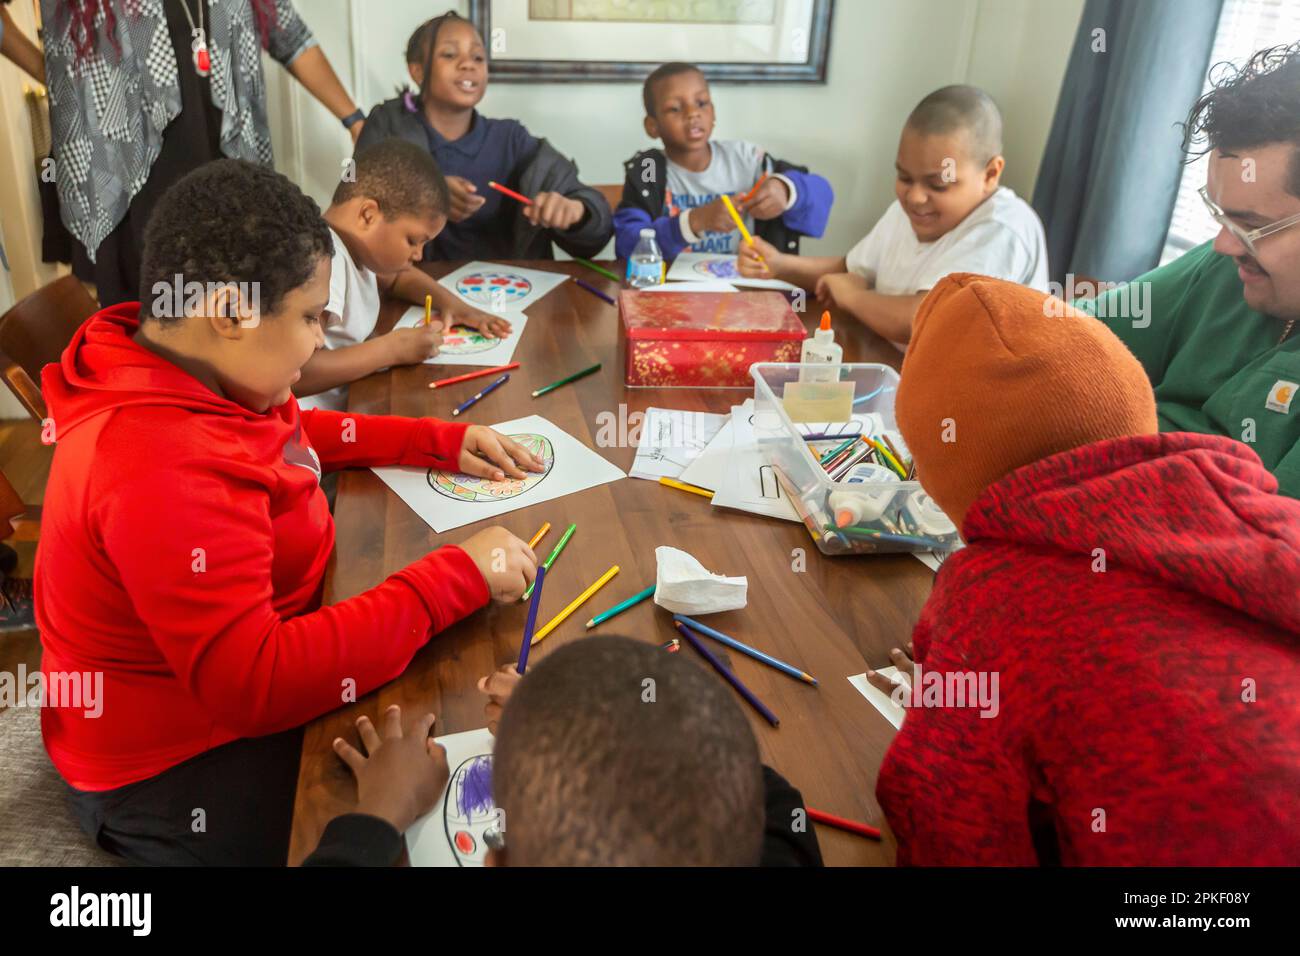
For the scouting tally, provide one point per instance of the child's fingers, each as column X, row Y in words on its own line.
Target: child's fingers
column 369, row 738
column 393, row 723
column 882, row 683
column 349, row 754
column 491, row 447
column 423, row 726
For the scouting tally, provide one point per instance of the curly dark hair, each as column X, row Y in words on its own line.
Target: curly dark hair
column 401, row 177
column 232, row 221
column 1257, row 104
column 649, row 88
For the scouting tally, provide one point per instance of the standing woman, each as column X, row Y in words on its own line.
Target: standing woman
column 144, row 91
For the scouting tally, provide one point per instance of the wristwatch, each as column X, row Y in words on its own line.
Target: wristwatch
column 352, row 119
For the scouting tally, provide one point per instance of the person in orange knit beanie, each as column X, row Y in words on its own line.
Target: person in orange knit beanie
column 1120, row 592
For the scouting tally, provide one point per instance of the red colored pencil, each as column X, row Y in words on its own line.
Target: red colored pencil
column 861, row 829
column 511, row 193
column 750, row 195
column 468, row 375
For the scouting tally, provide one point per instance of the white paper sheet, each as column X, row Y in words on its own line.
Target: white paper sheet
column 879, row 699
column 671, row 440
column 499, row 287
column 464, row 346
column 704, row 285
column 711, row 466
column 445, row 500
column 711, row 266
column 452, row 834
column 751, row 484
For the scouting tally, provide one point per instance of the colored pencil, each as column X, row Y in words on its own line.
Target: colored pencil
column 893, row 462
column 468, row 375
column 428, row 309
column 853, row 531
column 604, row 616
column 594, row 291
column 731, row 678
column 753, row 190
column 531, row 623
column 846, row 466
column 565, row 381
column 740, row 224
column 683, row 486
column 555, row 553
column 470, row 401
column 828, row 436
column 746, row 649
column 601, row 269
column 541, row 533
column 838, row 450
column 576, row 603
column 852, row 826
column 506, row 191
column 672, row 647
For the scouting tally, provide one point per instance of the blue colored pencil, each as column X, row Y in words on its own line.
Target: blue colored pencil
column 594, row 291
column 531, row 623
column 604, row 616
column 746, row 649
column 731, row 678
column 470, row 401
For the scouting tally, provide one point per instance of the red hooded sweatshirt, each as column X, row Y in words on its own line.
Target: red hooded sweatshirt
column 1153, row 707
column 183, row 546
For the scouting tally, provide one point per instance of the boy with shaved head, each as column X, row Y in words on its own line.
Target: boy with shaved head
column 952, row 215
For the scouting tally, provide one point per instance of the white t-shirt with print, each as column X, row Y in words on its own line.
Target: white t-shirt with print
column 350, row 316
column 1002, row 238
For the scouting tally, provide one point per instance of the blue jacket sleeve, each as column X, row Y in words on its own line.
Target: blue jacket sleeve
column 812, row 209
column 628, row 223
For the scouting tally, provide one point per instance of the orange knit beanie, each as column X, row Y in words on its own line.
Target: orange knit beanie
column 998, row 376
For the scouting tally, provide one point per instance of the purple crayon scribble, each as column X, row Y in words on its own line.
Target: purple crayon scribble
column 475, row 795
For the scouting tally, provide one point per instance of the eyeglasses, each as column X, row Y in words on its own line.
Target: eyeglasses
column 1248, row 237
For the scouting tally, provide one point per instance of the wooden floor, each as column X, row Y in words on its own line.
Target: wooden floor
column 26, row 463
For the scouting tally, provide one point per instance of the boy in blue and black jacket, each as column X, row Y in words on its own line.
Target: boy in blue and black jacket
column 677, row 189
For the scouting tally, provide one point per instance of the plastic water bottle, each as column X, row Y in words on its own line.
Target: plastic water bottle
column 645, row 267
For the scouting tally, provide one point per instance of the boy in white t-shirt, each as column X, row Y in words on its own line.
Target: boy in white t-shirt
column 381, row 217
column 951, row 216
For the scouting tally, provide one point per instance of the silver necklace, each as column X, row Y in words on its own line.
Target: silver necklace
column 199, row 46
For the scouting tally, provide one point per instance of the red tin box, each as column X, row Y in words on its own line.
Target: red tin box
column 704, row 339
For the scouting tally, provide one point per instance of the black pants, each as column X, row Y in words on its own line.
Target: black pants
column 230, row 806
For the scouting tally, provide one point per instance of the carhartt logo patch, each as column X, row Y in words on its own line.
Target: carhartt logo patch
column 1280, row 396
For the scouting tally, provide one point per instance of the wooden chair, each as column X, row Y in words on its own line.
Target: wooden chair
column 17, row 519
column 35, row 332
column 613, row 194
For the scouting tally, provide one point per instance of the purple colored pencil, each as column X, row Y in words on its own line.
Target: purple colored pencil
column 731, row 678
column 531, row 623
column 594, row 291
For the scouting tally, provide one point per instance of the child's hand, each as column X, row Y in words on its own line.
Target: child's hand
column 498, row 686
column 504, row 457
column 554, row 211
column 749, row 265
column 465, row 200
column 493, row 326
column 882, row 683
column 412, row 346
column 711, row 217
column 402, row 776
column 507, row 564
column 836, row 288
column 770, row 200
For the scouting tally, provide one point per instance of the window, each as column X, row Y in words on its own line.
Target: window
column 1245, row 26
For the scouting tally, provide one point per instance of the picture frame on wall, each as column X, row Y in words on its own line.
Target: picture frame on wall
column 733, row 41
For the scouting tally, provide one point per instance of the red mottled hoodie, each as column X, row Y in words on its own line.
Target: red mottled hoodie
column 1153, row 708
column 182, row 551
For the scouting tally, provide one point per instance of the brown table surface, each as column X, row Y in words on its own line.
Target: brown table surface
column 832, row 619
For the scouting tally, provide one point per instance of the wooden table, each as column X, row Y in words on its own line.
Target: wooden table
column 832, row 619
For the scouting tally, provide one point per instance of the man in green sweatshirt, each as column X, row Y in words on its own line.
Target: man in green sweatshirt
column 1216, row 329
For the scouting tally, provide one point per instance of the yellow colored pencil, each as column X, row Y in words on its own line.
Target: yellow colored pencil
column 893, row 462
column 428, row 309
column 556, row 621
column 541, row 533
column 683, row 486
column 740, row 224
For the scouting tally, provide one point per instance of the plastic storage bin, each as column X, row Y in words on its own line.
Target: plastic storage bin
column 897, row 516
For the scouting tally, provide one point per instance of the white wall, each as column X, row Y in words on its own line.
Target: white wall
column 885, row 55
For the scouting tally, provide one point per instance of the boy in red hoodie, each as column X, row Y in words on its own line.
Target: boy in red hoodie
column 1133, row 593
column 186, row 537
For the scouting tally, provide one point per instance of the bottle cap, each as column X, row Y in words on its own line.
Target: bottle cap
column 647, row 231
column 826, row 319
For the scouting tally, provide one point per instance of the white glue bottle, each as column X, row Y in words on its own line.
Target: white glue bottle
column 821, row 350
column 864, row 503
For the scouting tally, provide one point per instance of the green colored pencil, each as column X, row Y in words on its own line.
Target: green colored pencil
column 837, row 449
column 565, row 381
column 601, row 269
column 604, row 616
column 555, row 553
